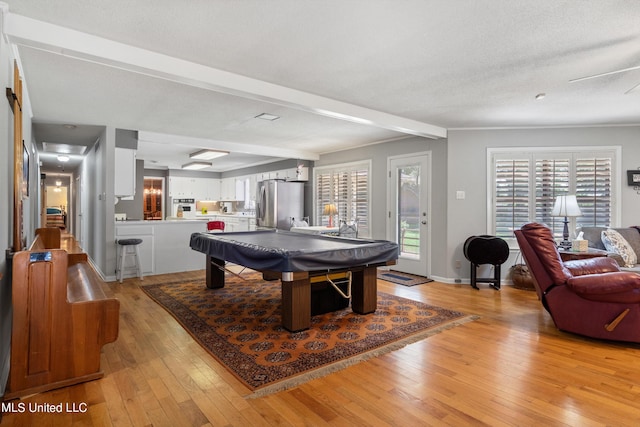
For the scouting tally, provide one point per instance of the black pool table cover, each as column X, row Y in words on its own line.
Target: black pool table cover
column 284, row 251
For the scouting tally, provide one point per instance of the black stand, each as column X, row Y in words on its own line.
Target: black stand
column 495, row 281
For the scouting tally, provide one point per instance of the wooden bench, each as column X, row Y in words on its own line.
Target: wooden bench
column 62, row 316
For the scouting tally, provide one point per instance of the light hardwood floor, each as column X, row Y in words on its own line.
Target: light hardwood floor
column 510, row 367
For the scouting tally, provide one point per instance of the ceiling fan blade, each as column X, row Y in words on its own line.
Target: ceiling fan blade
column 632, row 89
column 624, row 70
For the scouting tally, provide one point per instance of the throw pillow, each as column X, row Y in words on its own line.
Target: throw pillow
column 614, row 242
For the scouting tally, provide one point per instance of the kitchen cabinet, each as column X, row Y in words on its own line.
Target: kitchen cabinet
column 231, row 189
column 212, row 189
column 125, row 172
column 298, row 174
column 194, row 188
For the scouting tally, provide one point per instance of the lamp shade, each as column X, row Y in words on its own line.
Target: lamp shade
column 330, row 209
column 566, row 206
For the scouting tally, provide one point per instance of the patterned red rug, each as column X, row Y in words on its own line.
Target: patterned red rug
column 240, row 326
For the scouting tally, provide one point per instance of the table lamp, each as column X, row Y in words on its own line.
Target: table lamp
column 566, row 206
column 330, row 210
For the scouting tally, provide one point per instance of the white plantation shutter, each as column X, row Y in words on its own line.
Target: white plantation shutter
column 512, row 195
column 527, row 182
column 552, row 180
column 593, row 191
column 347, row 187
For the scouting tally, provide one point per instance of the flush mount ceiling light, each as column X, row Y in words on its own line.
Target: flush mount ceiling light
column 208, row 154
column 63, row 159
column 196, row 165
column 266, row 116
column 53, row 147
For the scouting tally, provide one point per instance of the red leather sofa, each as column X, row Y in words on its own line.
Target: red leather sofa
column 590, row 297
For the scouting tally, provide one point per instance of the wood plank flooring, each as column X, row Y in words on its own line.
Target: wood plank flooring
column 510, row 367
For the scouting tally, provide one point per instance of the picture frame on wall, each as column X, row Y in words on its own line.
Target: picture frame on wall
column 25, row 170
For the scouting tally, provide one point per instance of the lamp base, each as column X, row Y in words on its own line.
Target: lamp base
column 565, row 245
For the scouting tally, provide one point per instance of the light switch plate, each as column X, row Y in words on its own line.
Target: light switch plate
column 460, row 195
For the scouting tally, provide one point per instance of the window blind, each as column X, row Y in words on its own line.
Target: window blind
column 347, row 187
column 526, row 185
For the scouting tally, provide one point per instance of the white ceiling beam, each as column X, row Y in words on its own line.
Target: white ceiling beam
column 236, row 147
column 64, row 41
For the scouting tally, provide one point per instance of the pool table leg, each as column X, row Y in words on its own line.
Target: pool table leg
column 364, row 290
column 215, row 276
column 296, row 304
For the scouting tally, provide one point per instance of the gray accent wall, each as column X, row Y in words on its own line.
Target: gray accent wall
column 379, row 154
column 467, row 171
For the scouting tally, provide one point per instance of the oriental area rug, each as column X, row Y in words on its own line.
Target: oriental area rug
column 404, row 279
column 239, row 325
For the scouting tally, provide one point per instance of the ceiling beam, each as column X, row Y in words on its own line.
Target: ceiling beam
column 258, row 150
column 75, row 44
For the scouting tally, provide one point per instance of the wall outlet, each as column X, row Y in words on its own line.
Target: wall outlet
column 458, row 263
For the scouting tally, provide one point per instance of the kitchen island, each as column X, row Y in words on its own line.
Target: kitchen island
column 163, row 248
column 165, row 244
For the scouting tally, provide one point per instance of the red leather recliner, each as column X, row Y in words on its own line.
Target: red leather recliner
column 590, row 297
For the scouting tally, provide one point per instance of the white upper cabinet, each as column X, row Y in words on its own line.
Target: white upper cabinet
column 125, row 172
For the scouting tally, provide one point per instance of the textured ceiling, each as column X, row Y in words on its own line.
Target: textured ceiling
column 462, row 64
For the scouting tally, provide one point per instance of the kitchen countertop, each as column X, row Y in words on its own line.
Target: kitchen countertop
column 232, row 214
column 162, row 221
column 198, row 218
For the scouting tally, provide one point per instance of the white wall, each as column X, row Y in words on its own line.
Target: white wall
column 6, row 216
column 467, row 171
column 30, row 205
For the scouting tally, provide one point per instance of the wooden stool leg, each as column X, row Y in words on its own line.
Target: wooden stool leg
column 123, row 253
column 138, row 262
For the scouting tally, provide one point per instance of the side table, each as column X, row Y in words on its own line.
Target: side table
column 574, row 255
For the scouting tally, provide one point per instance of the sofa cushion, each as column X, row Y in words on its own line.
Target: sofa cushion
column 615, row 242
column 631, row 235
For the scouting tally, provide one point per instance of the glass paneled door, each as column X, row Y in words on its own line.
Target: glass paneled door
column 408, row 217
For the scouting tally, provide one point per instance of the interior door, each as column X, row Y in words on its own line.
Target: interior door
column 409, row 211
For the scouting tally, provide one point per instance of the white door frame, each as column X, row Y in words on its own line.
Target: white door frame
column 426, row 175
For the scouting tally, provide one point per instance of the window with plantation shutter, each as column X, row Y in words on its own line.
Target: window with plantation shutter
column 551, row 180
column 347, row 187
column 593, row 191
column 525, row 184
column 511, row 195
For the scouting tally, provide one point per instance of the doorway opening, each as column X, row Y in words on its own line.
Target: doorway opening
column 153, row 200
column 56, row 202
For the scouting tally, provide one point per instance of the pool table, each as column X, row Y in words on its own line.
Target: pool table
column 298, row 259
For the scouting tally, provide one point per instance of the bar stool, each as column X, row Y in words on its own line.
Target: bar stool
column 128, row 247
column 215, row 225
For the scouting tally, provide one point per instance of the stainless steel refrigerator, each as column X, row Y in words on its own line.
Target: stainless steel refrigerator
column 278, row 203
